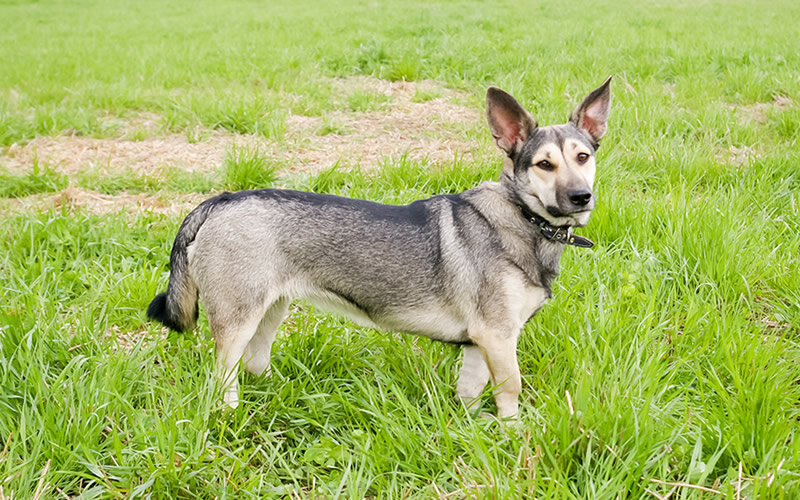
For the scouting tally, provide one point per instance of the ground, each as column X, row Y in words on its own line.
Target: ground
column 430, row 128
column 666, row 364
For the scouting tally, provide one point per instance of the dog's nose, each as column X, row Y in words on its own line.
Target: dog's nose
column 580, row 197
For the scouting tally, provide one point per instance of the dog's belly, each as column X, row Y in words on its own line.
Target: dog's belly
column 429, row 321
column 433, row 322
column 333, row 303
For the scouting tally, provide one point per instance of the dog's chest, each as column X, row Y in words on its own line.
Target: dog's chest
column 525, row 300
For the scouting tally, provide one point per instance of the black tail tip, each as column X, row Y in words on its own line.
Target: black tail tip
column 158, row 311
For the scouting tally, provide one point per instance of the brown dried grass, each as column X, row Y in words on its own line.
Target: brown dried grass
column 74, row 199
column 738, row 156
column 433, row 130
column 758, row 111
column 71, row 155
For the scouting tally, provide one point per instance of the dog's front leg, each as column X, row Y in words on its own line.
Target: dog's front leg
column 500, row 353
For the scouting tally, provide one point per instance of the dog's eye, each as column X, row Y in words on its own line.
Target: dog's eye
column 582, row 157
column 545, row 165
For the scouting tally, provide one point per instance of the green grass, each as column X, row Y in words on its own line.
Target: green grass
column 37, row 180
column 333, row 127
column 425, row 95
column 670, row 352
column 129, row 181
column 398, row 180
column 362, row 101
column 247, row 168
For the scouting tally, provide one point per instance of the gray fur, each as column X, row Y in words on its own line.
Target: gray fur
column 467, row 268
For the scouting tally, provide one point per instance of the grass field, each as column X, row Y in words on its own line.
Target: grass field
column 667, row 364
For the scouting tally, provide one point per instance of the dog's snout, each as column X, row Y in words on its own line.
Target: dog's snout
column 580, row 197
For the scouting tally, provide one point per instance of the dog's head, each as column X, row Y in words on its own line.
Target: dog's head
column 551, row 169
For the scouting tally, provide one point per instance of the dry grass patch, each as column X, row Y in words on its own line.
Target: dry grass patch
column 72, row 155
column 757, row 112
column 75, row 198
column 433, row 129
column 738, row 155
column 419, row 120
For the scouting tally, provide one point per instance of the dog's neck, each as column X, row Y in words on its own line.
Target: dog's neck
column 559, row 234
column 536, row 256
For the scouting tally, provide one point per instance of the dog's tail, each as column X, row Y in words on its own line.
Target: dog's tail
column 177, row 307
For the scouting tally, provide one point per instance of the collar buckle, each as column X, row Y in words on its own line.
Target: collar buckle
column 560, row 234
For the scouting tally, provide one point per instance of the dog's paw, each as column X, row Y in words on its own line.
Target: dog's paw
column 231, row 399
column 492, row 420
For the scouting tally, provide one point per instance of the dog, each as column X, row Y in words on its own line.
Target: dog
column 469, row 268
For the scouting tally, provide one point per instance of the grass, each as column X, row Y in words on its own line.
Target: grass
column 668, row 358
column 170, row 179
column 37, row 180
column 425, row 96
column 333, row 127
column 246, row 168
column 362, row 101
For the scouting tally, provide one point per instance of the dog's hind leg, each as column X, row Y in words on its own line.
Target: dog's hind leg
column 257, row 353
column 474, row 377
column 232, row 337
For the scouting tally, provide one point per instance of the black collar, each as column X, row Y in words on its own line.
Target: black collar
column 559, row 234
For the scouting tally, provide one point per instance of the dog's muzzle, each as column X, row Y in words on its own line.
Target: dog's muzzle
column 572, row 203
column 580, row 197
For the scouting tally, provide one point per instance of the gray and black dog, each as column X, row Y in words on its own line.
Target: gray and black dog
column 468, row 268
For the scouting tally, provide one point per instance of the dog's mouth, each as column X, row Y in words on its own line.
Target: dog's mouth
column 557, row 212
column 577, row 218
column 557, row 216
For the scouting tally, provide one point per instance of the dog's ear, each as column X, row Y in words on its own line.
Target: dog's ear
column 591, row 115
column 509, row 122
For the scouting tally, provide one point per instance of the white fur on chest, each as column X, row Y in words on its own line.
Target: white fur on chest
column 524, row 300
